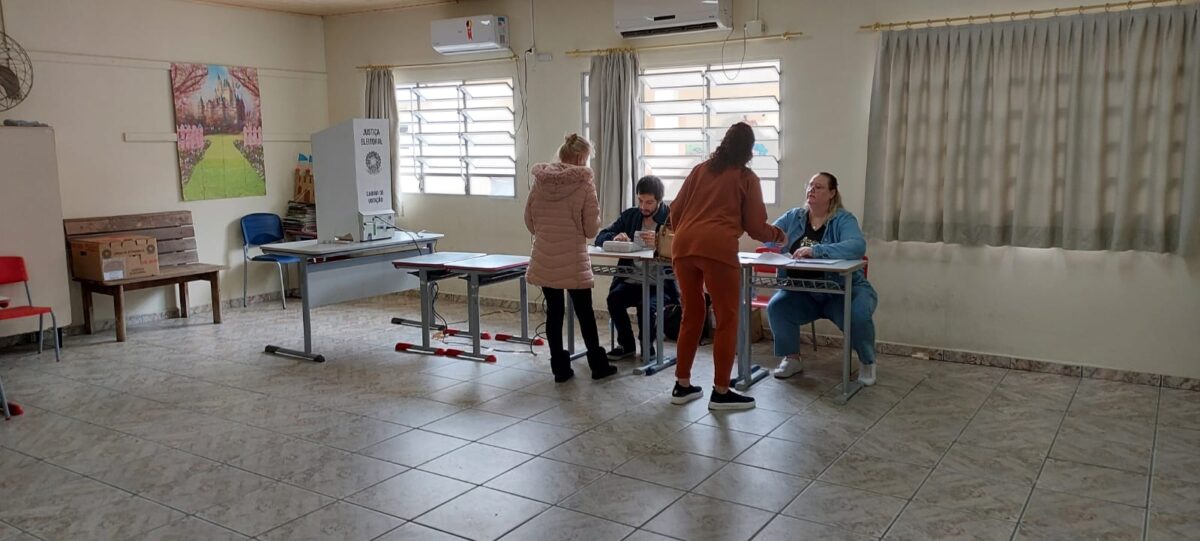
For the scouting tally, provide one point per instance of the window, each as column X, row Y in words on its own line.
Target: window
column 685, row 112
column 457, row 137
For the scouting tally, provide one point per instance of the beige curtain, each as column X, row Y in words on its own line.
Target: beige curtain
column 613, row 90
column 381, row 103
column 1080, row 132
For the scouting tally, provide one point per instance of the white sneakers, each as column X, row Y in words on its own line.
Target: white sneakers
column 788, row 367
column 866, row 374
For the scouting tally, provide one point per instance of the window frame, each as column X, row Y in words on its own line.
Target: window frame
column 708, row 136
column 414, row 136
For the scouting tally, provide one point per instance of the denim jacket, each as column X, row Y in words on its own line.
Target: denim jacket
column 842, row 239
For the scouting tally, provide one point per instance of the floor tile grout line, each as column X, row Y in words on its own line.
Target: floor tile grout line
column 1045, row 459
column 1153, row 456
column 913, row 497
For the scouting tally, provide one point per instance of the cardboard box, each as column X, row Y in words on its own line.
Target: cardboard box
column 756, row 331
column 114, row 257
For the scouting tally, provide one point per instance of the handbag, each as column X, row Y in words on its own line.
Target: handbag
column 663, row 241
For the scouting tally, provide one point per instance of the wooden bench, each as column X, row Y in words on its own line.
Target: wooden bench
column 177, row 260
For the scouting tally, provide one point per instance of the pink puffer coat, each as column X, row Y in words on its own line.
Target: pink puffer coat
column 562, row 213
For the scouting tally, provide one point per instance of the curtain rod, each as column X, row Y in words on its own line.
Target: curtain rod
column 594, row 52
column 1013, row 15
column 512, row 58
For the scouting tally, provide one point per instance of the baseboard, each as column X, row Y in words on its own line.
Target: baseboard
column 823, row 340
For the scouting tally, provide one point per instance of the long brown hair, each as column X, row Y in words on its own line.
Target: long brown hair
column 736, row 149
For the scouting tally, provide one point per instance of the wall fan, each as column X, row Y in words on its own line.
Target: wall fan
column 16, row 71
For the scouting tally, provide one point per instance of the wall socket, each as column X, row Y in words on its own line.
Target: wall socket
column 754, row 28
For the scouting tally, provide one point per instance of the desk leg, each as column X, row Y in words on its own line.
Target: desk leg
column 87, row 307
column 660, row 360
column 748, row 373
column 524, row 309
column 214, row 287
column 426, row 289
column 473, row 311
column 524, row 338
column 183, row 300
column 476, row 353
column 649, row 368
column 848, row 387
column 118, row 295
column 305, row 315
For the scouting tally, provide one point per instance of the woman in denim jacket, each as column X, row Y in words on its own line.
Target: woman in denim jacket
column 822, row 229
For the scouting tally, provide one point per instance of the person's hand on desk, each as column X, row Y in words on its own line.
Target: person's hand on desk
column 804, row 252
column 621, row 237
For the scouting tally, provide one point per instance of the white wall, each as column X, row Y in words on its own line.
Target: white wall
column 1132, row 311
column 101, row 70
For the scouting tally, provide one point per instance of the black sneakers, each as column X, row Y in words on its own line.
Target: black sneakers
column 683, row 395
column 618, row 353
column 729, row 400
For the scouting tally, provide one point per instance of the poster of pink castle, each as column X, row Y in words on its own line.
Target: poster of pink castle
column 218, row 123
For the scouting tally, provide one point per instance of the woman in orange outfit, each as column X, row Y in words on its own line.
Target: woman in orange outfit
column 720, row 200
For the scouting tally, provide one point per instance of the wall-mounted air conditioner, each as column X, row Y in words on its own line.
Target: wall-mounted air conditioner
column 640, row 18
column 478, row 34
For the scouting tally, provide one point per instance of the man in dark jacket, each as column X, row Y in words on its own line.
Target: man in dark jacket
column 639, row 224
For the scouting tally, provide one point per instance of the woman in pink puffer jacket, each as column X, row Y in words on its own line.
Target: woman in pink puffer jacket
column 562, row 212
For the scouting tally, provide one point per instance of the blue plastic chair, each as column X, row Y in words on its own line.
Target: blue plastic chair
column 258, row 229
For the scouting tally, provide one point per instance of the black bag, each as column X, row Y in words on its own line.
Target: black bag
column 673, row 317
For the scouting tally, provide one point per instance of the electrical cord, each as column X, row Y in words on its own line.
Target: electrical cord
column 413, row 237
column 741, row 62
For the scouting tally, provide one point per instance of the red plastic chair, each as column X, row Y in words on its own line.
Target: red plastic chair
column 12, row 270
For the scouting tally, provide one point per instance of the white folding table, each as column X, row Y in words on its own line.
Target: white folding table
column 487, row 270
column 337, row 272
column 430, row 269
column 749, row 373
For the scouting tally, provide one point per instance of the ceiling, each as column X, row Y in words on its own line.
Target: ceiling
column 328, row 7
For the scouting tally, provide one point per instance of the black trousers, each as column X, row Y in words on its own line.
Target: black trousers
column 555, row 309
column 621, row 298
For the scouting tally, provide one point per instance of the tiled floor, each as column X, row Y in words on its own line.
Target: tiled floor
column 189, row 431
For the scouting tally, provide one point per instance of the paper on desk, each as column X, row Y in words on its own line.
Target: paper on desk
column 772, row 258
column 818, row 261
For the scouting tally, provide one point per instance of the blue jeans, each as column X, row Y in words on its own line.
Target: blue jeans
column 789, row 310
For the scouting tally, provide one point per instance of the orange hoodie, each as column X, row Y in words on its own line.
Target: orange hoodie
column 713, row 210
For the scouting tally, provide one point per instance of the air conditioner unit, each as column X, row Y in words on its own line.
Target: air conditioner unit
column 478, row 34
column 641, row 18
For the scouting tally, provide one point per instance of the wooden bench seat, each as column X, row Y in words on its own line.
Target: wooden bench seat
column 177, row 259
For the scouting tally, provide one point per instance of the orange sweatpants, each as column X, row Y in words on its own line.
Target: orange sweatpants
column 695, row 274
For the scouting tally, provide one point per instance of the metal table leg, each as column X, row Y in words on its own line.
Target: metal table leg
column 476, row 353
column 307, row 317
column 426, row 289
column 524, row 338
column 848, row 388
column 660, row 360
column 748, row 373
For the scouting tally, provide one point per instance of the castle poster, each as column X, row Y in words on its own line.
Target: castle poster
column 218, row 122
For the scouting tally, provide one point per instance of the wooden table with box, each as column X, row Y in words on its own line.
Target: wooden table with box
column 114, row 254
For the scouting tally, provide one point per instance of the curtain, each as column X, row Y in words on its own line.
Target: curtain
column 381, row 103
column 613, row 108
column 1080, row 132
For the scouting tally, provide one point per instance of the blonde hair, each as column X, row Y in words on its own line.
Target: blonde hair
column 574, row 147
column 836, row 202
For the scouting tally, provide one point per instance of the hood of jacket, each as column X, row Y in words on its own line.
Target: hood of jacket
column 557, row 181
